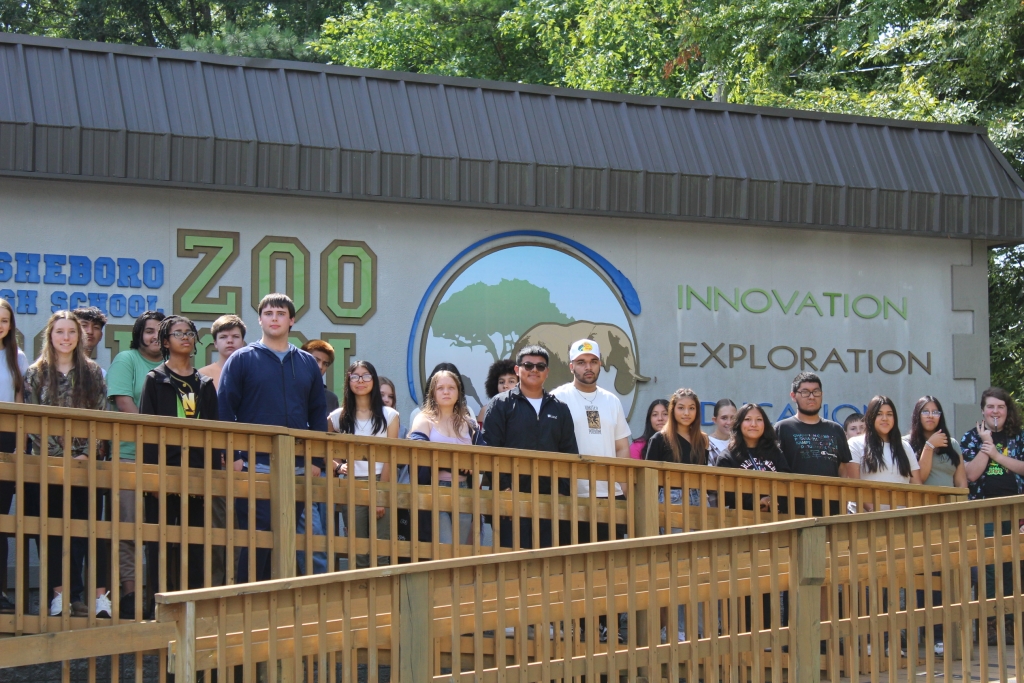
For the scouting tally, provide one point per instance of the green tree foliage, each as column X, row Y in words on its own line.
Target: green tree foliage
column 263, row 40
column 1006, row 330
column 507, row 309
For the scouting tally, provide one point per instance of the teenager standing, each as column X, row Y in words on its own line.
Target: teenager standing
column 13, row 366
column 444, row 418
column 994, row 462
column 272, row 382
column 657, row 415
column 718, row 440
column 176, row 389
column 881, row 452
column 364, row 414
column 228, row 336
column 600, row 425
column 63, row 376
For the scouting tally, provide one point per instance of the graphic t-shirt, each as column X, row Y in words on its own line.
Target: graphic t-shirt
column 125, row 377
column 755, row 462
column 716, row 449
column 816, row 449
column 599, row 421
column 188, row 392
column 999, row 481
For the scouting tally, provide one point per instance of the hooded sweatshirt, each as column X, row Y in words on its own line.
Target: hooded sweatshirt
column 257, row 387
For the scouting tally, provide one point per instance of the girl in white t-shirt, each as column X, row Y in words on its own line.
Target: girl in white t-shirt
column 363, row 413
column 882, row 453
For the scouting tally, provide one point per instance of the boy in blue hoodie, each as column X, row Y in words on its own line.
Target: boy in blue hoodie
column 271, row 382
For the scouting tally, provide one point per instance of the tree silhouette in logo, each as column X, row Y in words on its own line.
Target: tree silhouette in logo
column 472, row 316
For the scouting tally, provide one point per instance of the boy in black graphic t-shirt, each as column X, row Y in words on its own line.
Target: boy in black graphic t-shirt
column 813, row 445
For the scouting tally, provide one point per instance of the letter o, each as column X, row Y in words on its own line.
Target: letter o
column 768, row 300
column 883, row 354
column 117, row 306
column 332, row 282
column 136, row 305
column 104, row 271
column 153, row 274
column 878, row 306
column 265, row 256
column 771, row 355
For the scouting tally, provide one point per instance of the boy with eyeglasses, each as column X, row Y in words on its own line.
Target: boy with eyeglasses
column 812, row 444
column 528, row 417
column 176, row 389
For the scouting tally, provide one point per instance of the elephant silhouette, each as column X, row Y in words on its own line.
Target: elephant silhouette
column 616, row 349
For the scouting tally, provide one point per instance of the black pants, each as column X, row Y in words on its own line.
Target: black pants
column 151, row 515
column 583, row 529
column 79, row 545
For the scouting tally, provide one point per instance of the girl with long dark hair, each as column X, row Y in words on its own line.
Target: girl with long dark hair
column 64, row 376
column 938, row 453
column 753, row 447
column 883, row 455
column 363, row 413
column 657, row 415
column 681, row 439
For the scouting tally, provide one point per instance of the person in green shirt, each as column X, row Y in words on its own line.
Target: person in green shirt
column 125, row 378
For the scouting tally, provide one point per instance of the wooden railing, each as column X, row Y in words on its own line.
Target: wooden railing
column 158, row 485
column 751, row 603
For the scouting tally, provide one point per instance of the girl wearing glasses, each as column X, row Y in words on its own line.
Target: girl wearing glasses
column 363, row 413
column 938, row 453
column 176, row 389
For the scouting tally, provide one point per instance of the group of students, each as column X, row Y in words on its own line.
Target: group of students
column 271, row 382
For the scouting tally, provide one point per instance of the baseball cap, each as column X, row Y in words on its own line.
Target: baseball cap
column 578, row 348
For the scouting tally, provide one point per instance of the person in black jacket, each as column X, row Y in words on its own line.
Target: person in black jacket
column 176, row 389
column 530, row 418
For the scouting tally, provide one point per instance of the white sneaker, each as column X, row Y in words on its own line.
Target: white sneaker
column 103, row 607
column 939, row 649
column 57, row 605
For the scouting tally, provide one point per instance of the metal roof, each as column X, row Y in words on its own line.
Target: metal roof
column 101, row 112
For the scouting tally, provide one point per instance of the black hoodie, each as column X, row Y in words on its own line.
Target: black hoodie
column 160, row 397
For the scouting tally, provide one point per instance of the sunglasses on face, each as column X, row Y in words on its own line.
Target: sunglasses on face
column 535, row 366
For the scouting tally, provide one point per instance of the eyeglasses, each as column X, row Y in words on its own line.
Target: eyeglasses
column 178, row 334
column 538, row 366
column 804, row 393
column 360, row 379
column 931, row 413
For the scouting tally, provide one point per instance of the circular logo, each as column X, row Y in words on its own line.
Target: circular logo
column 490, row 305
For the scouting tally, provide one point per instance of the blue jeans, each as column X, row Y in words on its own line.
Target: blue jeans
column 319, row 529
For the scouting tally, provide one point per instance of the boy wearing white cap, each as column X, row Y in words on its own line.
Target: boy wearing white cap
column 599, row 421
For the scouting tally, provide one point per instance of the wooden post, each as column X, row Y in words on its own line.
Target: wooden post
column 805, row 640
column 414, row 650
column 645, row 502
column 185, row 654
column 282, row 506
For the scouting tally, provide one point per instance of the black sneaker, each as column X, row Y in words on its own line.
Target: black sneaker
column 6, row 606
column 127, row 608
